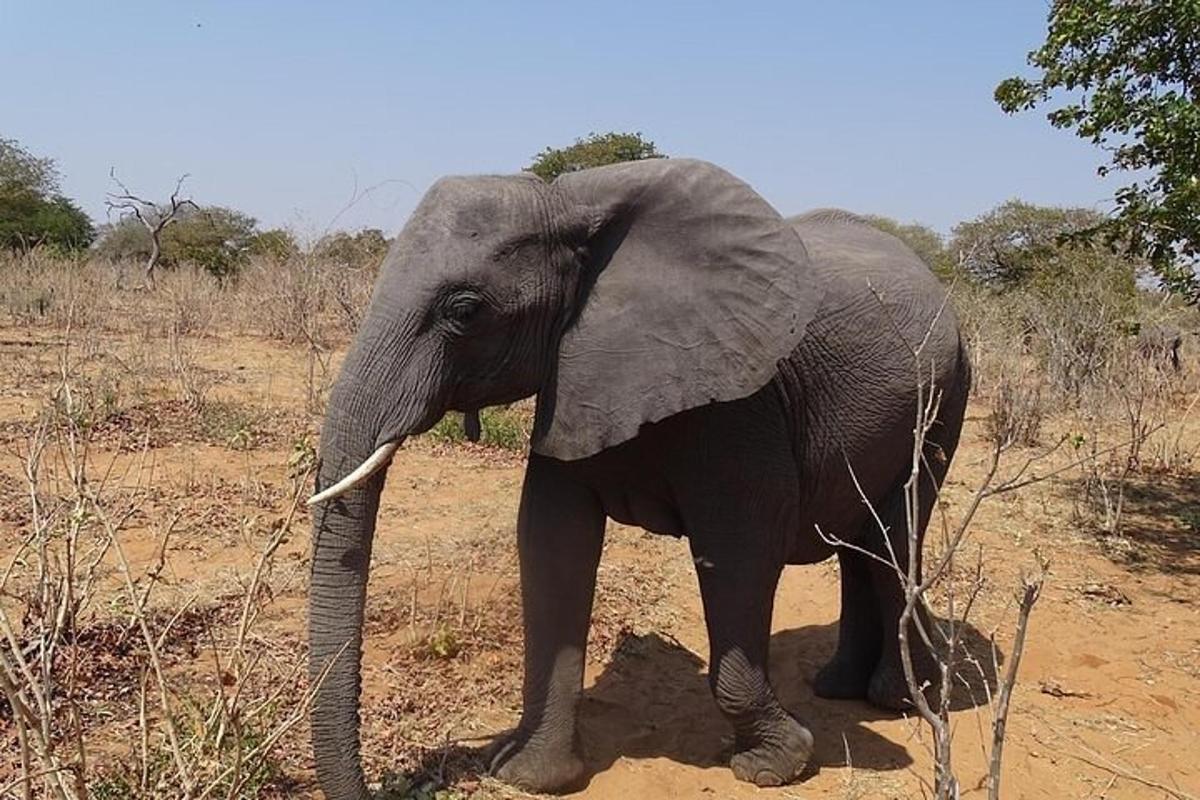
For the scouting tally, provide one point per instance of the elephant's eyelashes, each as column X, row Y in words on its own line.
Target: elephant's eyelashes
column 462, row 308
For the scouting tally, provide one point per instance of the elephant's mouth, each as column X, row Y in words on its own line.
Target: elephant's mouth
column 375, row 462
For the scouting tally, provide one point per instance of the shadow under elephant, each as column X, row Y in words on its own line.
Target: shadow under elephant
column 652, row 700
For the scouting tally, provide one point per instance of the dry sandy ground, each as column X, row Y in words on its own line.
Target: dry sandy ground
column 1107, row 705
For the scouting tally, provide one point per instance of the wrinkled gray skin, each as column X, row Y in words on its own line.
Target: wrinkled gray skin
column 1159, row 344
column 701, row 371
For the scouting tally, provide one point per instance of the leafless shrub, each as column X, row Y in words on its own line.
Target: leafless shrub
column 194, row 740
column 318, row 377
column 1078, row 337
column 302, row 298
column 1070, row 332
column 1138, row 393
column 1076, row 343
column 191, row 380
column 1170, row 451
column 351, row 289
column 41, row 288
column 191, row 298
column 991, row 326
column 277, row 298
column 1018, row 409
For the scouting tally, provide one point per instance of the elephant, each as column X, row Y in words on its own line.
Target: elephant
column 1159, row 344
column 703, row 368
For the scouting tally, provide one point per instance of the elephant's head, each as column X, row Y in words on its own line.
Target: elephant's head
column 619, row 295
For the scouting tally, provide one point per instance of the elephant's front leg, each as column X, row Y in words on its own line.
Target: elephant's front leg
column 737, row 585
column 560, row 531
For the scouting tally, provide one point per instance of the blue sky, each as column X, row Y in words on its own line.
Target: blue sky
column 283, row 109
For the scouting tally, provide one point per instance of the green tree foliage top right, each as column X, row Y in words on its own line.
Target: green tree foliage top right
column 1125, row 75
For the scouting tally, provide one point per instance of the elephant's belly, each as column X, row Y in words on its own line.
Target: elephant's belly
column 643, row 510
column 726, row 469
column 809, row 550
column 832, row 516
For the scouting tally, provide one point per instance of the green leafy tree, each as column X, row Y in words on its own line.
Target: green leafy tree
column 360, row 249
column 277, row 244
column 927, row 243
column 32, row 211
column 594, row 150
column 1019, row 244
column 213, row 237
column 63, row 224
column 1126, row 76
column 21, row 169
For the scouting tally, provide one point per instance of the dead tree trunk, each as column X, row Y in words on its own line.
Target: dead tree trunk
column 154, row 217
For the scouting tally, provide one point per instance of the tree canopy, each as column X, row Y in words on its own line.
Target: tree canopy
column 1018, row 244
column 215, row 238
column 277, row 244
column 32, row 210
column 21, row 169
column 366, row 247
column 1126, row 76
column 594, row 150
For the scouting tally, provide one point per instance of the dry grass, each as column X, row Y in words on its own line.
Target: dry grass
column 85, row 642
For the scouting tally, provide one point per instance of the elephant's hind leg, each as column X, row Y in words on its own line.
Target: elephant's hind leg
column 847, row 676
column 738, row 589
column 887, row 687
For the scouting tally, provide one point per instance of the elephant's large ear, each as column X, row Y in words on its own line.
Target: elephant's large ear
column 694, row 289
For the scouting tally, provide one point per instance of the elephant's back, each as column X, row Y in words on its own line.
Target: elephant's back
column 847, row 250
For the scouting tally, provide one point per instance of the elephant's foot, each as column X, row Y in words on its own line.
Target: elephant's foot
column 843, row 679
column 522, row 761
column 888, row 688
column 774, row 757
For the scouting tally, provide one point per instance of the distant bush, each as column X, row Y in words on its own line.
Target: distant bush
column 594, row 150
column 1018, row 243
column 276, row 244
column 363, row 248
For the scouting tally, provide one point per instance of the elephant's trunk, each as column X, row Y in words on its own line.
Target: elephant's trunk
column 343, row 529
column 374, row 405
column 342, row 533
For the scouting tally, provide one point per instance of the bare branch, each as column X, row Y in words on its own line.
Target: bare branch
column 1030, row 590
column 154, row 217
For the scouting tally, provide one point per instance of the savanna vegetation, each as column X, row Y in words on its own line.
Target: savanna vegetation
column 1125, row 76
column 164, row 375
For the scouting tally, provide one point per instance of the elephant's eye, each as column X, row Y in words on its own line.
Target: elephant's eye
column 462, row 308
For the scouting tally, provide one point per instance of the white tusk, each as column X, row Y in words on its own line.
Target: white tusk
column 373, row 464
